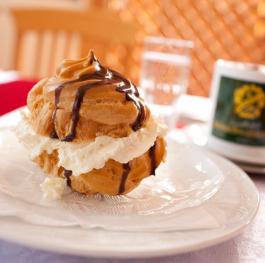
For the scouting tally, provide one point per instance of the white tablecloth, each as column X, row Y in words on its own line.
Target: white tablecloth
column 247, row 248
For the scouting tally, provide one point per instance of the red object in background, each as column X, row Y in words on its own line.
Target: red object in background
column 180, row 125
column 14, row 94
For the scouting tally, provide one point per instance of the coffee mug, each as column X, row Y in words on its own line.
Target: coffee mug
column 237, row 125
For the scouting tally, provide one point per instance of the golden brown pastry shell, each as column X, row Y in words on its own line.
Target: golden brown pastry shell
column 106, row 180
column 104, row 111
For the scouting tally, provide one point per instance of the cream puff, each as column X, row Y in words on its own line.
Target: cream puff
column 89, row 126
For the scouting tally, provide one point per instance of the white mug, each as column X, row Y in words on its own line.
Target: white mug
column 237, row 126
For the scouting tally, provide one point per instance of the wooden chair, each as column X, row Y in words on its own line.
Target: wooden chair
column 110, row 37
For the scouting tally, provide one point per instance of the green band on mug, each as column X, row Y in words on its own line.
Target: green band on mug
column 240, row 112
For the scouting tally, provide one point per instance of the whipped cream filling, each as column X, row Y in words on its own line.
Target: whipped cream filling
column 83, row 157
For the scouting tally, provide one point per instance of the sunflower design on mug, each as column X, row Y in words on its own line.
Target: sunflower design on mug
column 249, row 101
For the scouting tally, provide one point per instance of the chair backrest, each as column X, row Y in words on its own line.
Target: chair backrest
column 58, row 32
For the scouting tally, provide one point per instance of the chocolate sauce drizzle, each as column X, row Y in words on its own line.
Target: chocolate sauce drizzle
column 127, row 168
column 152, row 156
column 67, row 175
column 126, row 171
column 102, row 76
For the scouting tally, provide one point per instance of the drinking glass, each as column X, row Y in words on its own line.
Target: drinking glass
column 165, row 72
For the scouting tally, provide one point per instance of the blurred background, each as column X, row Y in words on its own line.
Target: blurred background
column 35, row 35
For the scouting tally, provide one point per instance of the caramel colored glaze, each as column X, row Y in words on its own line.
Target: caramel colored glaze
column 101, row 76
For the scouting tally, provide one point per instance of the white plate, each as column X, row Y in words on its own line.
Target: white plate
column 250, row 167
column 123, row 244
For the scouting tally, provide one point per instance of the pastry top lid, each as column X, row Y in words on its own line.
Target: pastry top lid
column 84, row 100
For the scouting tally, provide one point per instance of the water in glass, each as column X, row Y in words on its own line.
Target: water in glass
column 165, row 72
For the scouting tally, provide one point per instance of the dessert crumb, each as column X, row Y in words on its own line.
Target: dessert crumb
column 53, row 187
